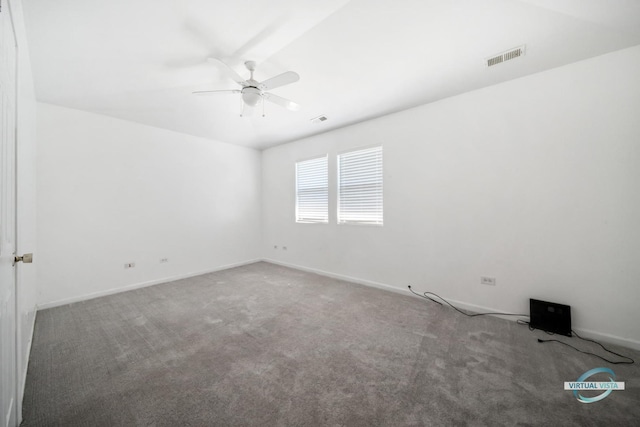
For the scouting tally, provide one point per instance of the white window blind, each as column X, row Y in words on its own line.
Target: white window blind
column 312, row 190
column 360, row 187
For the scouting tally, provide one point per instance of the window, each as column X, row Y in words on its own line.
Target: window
column 360, row 187
column 312, row 191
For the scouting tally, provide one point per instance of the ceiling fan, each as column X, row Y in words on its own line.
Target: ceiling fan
column 253, row 91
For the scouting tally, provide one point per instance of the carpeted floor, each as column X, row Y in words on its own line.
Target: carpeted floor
column 265, row 345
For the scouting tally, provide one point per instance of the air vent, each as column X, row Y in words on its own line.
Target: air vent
column 319, row 119
column 506, row 56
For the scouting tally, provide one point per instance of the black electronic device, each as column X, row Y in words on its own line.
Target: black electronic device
column 550, row 317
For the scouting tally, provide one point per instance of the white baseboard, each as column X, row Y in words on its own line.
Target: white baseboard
column 9, row 419
column 340, row 276
column 112, row 291
column 404, row 290
column 594, row 335
column 608, row 338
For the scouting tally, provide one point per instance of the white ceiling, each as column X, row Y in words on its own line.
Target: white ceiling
column 139, row 60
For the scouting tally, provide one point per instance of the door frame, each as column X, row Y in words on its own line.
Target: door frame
column 14, row 414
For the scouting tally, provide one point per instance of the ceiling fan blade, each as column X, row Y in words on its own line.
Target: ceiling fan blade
column 279, row 80
column 260, row 39
column 283, row 102
column 201, row 36
column 184, row 62
column 212, row 92
column 230, row 72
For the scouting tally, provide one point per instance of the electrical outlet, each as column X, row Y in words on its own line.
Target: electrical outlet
column 130, row 265
column 491, row 281
column 163, row 260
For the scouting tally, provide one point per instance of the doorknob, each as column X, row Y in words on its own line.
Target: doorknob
column 26, row 258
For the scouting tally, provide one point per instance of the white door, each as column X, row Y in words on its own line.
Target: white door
column 8, row 388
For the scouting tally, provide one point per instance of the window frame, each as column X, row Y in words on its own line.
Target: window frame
column 311, row 220
column 340, row 217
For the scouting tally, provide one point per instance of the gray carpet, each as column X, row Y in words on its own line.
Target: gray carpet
column 264, row 345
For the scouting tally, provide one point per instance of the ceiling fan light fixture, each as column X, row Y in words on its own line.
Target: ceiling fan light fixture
column 251, row 96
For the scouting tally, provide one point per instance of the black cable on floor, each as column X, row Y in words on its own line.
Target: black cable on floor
column 426, row 296
column 629, row 360
column 624, row 362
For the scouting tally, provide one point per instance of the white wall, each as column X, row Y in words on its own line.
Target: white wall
column 534, row 182
column 112, row 192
